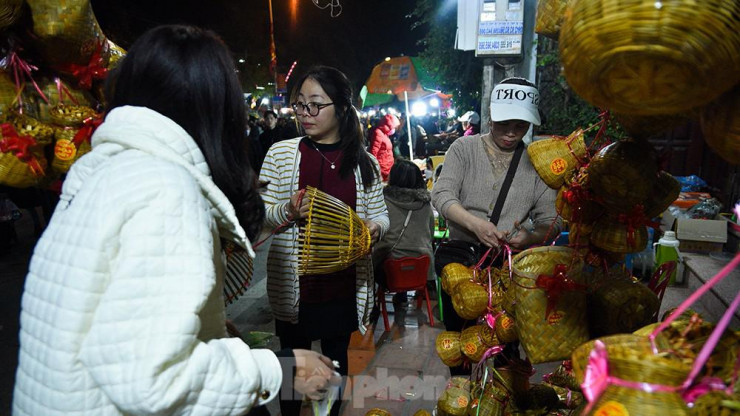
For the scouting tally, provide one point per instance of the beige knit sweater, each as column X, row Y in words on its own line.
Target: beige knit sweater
column 467, row 178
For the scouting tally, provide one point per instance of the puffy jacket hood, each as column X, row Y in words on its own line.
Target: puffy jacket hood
column 407, row 198
column 139, row 128
column 388, row 124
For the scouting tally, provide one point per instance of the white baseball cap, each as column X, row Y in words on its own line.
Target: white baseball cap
column 471, row 117
column 515, row 102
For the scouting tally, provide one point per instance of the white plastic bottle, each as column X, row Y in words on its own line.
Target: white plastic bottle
column 666, row 249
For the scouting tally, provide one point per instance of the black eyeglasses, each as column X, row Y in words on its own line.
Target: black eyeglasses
column 311, row 108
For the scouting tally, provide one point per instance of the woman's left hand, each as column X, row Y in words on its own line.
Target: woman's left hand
column 374, row 230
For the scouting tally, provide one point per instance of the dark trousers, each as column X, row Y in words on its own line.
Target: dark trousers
column 334, row 348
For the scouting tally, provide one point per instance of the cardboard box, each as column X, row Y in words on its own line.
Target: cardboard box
column 698, row 236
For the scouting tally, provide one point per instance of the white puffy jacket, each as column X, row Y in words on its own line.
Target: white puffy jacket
column 122, row 311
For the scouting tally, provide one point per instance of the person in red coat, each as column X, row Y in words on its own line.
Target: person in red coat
column 380, row 143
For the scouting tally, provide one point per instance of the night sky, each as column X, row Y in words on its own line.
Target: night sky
column 361, row 36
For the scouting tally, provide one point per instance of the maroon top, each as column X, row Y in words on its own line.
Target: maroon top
column 315, row 170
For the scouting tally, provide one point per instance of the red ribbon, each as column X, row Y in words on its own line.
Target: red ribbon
column 95, row 69
column 89, row 125
column 554, row 285
column 635, row 219
column 19, row 146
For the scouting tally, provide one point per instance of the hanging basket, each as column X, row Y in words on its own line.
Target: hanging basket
column 475, row 340
column 469, row 299
column 29, row 126
column 577, row 205
column 488, row 401
column 506, row 328
column 620, row 305
column 610, row 235
column 550, row 14
column 70, row 115
column 556, row 158
column 622, row 174
column 448, row 349
column 720, row 124
column 21, row 163
column 455, row 399
column 453, row 274
column 549, row 329
column 650, row 57
column 332, row 238
column 630, row 358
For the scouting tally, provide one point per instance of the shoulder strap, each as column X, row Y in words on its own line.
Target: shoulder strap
column 405, row 224
column 507, row 183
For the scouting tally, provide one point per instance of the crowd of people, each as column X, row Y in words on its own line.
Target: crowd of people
column 122, row 311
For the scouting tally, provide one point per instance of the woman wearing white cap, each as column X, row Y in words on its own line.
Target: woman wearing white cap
column 470, row 123
column 468, row 189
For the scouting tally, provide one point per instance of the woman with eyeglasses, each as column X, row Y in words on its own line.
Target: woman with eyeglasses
column 330, row 157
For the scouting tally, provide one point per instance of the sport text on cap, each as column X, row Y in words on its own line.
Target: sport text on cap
column 515, row 102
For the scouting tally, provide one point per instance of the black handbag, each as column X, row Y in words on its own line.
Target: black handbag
column 465, row 252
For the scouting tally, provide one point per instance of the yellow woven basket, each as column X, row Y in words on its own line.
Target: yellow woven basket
column 29, row 126
column 720, row 123
column 583, row 211
column 610, row 235
column 332, row 238
column 550, row 14
column 491, row 401
column 630, row 358
column 448, row 349
column 475, row 340
column 549, row 337
column 716, row 403
column 16, row 173
column 66, row 152
column 70, row 115
column 556, row 158
column 454, row 401
column 622, row 174
column 454, row 273
column 650, row 57
column 506, row 328
column 469, row 299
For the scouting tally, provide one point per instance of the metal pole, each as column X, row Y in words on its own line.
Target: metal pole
column 408, row 125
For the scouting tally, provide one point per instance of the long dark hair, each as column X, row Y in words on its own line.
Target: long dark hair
column 187, row 74
column 351, row 135
column 405, row 174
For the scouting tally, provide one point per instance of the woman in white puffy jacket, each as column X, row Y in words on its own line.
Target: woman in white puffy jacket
column 122, row 310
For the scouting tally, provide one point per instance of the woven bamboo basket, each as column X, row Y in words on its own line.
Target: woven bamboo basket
column 16, row 173
column 550, row 15
column 488, row 401
column 665, row 190
column 581, row 210
column 333, row 236
column 512, row 377
column 579, row 236
column 628, row 361
column 610, row 235
column 66, row 152
column 716, row 403
column 68, row 33
column 454, row 273
column 506, row 328
column 29, row 126
column 448, row 346
column 475, row 340
column 469, row 299
column 70, row 115
column 617, row 345
column 10, row 11
column 645, row 127
column 239, row 272
column 647, row 57
column 619, row 306
column 557, row 157
column 70, row 95
column 508, row 294
column 454, row 401
column 376, row 411
column 553, row 336
column 720, row 124
column 622, row 174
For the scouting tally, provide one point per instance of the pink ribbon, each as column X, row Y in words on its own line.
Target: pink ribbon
column 597, row 377
column 19, row 68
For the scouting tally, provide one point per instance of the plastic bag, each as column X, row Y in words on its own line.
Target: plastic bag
column 691, row 183
column 706, row 209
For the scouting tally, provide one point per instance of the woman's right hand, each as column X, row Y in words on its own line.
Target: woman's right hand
column 298, row 206
column 487, row 233
column 314, row 374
